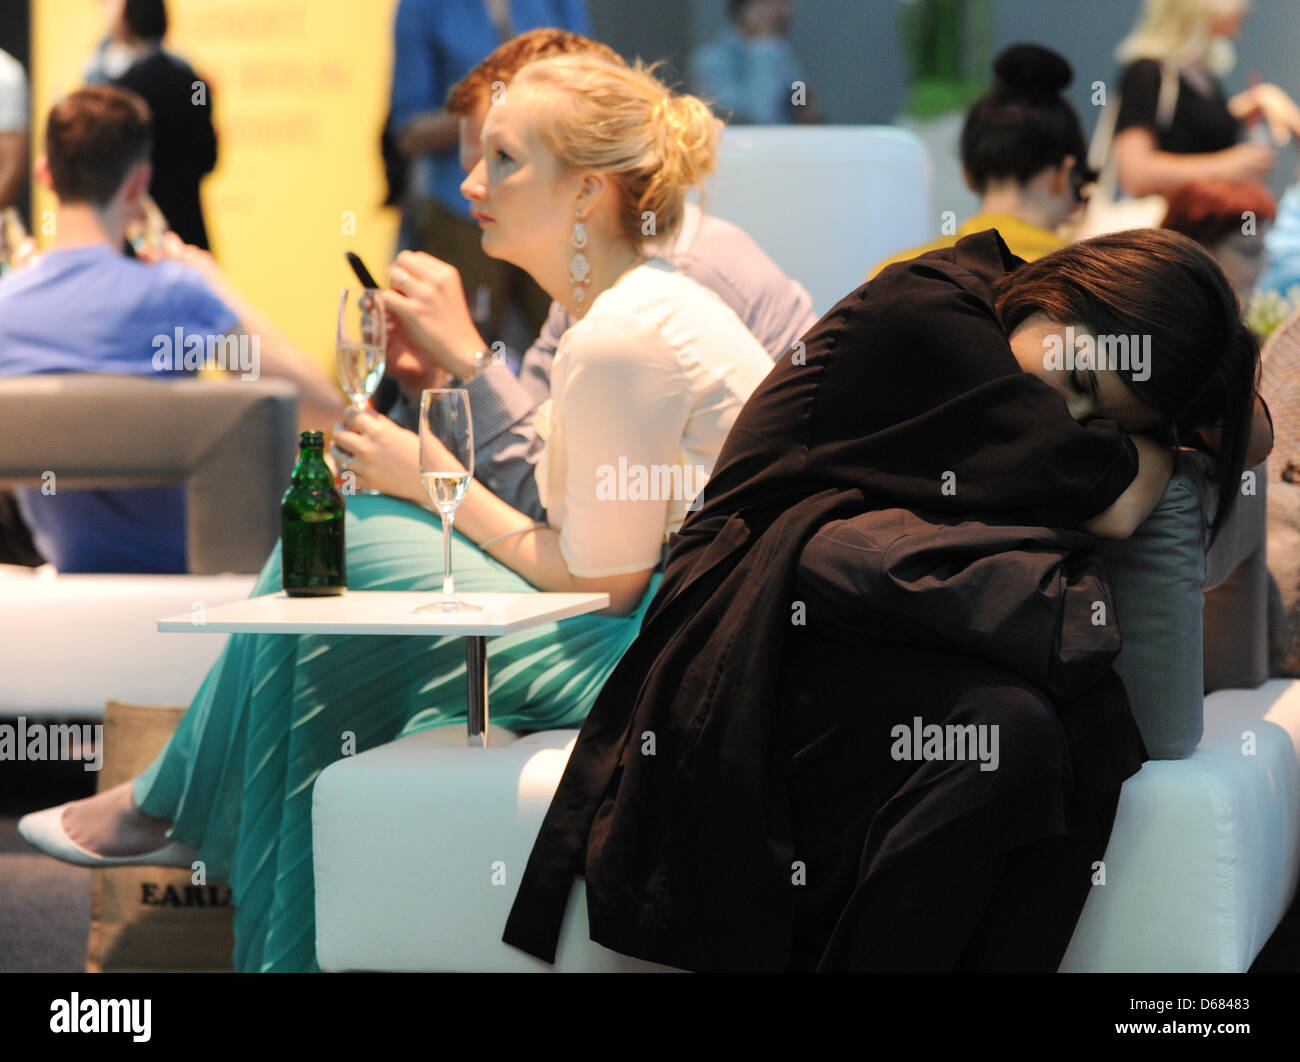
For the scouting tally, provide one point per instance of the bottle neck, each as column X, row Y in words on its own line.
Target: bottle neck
column 312, row 466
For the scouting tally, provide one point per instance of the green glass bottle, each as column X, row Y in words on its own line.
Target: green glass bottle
column 311, row 529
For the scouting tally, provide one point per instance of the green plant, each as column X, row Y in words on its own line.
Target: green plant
column 947, row 45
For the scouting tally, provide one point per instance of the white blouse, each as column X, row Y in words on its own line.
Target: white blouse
column 644, row 389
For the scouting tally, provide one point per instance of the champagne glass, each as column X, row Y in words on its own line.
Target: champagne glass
column 362, row 342
column 446, row 469
column 361, row 346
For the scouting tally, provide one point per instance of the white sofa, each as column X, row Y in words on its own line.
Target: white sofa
column 1202, row 862
column 69, row 642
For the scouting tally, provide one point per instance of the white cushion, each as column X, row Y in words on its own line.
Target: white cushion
column 419, row 848
column 1205, row 853
column 68, row 643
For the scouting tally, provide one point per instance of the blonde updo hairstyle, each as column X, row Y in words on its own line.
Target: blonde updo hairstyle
column 1178, row 32
column 622, row 121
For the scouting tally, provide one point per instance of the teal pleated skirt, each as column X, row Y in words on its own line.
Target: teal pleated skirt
column 276, row 709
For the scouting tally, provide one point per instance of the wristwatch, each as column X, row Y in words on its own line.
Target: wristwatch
column 481, row 361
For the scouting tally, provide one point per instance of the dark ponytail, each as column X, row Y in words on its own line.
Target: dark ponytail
column 1023, row 125
column 1204, row 370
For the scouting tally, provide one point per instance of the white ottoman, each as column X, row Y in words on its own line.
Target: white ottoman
column 419, row 847
column 1205, row 854
column 68, row 643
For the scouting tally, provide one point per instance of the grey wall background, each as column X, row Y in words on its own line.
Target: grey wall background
column 854, row 61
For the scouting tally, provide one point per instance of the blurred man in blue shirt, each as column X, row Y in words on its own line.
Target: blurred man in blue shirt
column 750, row 72
column 83, row 306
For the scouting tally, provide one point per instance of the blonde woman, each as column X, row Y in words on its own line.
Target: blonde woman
column 653, row 372
column 1175, row 125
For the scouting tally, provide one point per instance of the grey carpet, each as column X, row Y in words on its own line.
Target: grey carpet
column 44, row 904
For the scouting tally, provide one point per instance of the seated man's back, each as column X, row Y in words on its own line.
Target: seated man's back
column 92, row 309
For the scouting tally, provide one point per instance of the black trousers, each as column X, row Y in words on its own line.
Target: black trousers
column 934, row 864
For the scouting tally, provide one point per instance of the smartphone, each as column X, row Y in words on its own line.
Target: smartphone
column 386, row 393
column 359, row 268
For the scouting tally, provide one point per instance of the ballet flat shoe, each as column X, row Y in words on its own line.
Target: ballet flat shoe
column 44, row 830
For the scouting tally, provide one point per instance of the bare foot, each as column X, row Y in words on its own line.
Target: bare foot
column 110, row 824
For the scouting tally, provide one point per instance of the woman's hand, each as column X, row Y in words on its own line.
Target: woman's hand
column 379, row 454
column 1245, row 162
column 1274, row 105
column 427, row 301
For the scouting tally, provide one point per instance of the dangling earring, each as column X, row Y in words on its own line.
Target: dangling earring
column 579, row 267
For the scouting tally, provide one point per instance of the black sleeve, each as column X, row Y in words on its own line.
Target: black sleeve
column 910, row 388
column 1019, row 596
column 1139, row 94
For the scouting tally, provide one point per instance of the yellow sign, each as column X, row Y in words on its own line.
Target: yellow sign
column 299, row 90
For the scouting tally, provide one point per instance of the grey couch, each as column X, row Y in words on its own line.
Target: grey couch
column 230, row 443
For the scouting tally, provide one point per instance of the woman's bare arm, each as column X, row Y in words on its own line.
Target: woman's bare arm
column 1143, row 169
column 1126, row 513
column 536, row 554
column 387, row 457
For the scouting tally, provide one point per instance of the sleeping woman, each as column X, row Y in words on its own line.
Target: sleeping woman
column 870, row 721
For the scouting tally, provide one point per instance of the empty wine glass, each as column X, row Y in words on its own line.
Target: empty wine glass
column 446, row 469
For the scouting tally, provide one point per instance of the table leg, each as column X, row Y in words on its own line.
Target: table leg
column 476, row 668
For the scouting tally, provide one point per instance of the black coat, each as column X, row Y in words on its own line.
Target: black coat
column 905, row 396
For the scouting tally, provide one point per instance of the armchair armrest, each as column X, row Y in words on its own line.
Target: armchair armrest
column 230, row 443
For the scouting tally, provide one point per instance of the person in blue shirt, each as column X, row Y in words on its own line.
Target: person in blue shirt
column 83, row 306
column 750, row 72
column 436, row 43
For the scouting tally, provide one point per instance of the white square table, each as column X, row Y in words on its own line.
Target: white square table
column 392, row 612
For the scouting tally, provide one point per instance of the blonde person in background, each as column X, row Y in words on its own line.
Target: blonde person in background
column 1023, row 151
column 654, row 371
column 1177, row 51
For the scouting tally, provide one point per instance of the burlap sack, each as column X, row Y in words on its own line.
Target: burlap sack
column 152, row 918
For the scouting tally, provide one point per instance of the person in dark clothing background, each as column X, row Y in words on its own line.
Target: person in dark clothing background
column 185, row 143
column 898, row 531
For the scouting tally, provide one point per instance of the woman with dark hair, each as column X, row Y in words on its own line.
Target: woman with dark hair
column 897, row 538
column 1022, row 150
column 1231, row 220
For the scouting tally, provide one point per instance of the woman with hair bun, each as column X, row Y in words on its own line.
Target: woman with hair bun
column 578, row 153
column 1023, row 151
